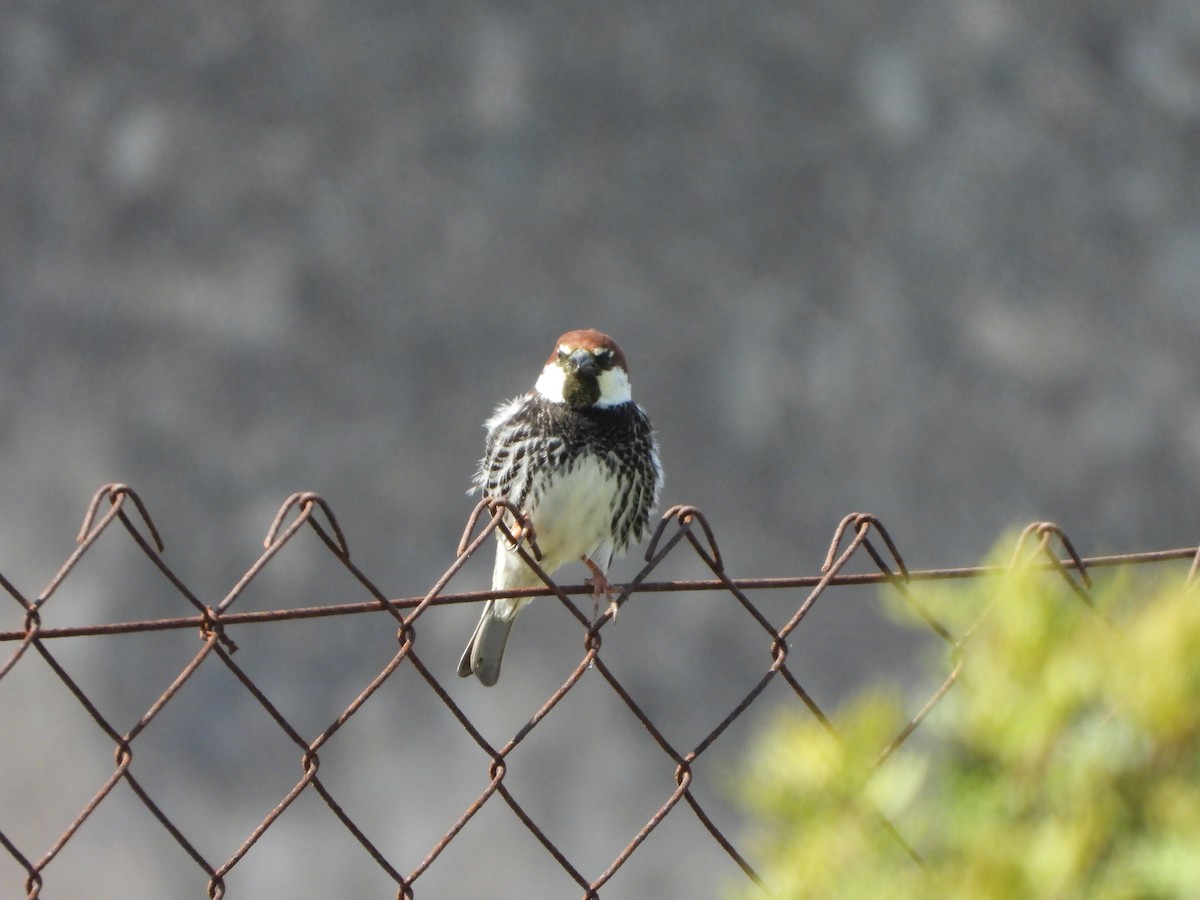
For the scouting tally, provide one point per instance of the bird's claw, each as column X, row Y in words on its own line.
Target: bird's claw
column 601, row 587
column 613, row 606
column 522, row 530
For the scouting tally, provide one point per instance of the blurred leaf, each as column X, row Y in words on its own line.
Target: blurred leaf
column 1064, row 763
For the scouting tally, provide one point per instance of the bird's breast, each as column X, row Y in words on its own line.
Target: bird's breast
column 572, row 512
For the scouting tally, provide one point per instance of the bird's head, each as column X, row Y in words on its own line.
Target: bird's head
column 587, row 368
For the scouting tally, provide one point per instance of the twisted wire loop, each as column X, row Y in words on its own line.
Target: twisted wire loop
column 1046, row 532
column 1042, row 546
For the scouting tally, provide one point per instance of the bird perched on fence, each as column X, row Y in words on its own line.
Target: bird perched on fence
column 578, row 457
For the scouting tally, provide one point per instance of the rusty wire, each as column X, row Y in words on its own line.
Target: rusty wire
column 1044, row 545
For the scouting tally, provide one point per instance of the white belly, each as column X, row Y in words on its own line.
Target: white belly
column 571, row 519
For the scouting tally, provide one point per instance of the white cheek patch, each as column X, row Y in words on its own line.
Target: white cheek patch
column 614, row 388
column 550, row 383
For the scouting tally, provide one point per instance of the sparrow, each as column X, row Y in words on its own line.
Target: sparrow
column 579, row 458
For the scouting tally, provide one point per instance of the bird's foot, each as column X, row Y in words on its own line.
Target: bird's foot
column 601, row 587
column 522, row 530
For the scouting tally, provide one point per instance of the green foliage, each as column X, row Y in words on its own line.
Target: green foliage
column 1065, row 762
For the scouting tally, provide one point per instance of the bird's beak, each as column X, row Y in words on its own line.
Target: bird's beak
column 584, row 363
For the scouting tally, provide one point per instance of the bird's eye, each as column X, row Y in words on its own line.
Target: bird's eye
column 604, row 358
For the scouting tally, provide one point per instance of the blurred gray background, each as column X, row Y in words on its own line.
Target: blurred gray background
column 939, row 261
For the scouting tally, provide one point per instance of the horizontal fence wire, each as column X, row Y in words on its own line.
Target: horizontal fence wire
column 681, row 529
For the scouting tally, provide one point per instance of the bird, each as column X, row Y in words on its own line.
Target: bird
column 580, row 460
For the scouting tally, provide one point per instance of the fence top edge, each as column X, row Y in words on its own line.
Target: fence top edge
column 699, row 585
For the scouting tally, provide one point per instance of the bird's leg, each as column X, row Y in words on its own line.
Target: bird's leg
column 600, row 586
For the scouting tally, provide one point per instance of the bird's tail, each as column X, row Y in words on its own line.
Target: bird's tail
column 485, row 650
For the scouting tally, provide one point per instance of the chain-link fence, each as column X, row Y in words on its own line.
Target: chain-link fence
column 404, row 864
